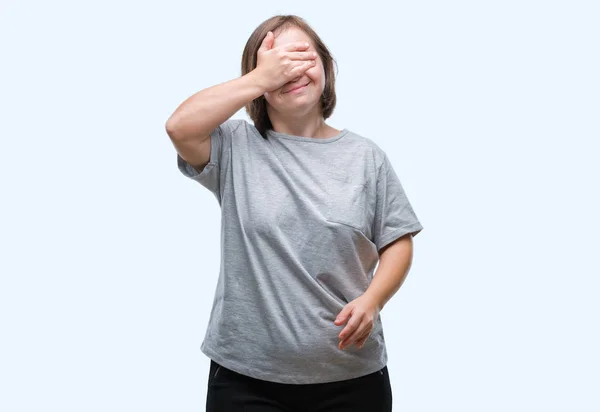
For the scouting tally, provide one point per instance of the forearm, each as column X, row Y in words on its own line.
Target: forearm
column 205, row 110
column 394, row 264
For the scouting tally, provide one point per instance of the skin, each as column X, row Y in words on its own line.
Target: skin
column 299, row 113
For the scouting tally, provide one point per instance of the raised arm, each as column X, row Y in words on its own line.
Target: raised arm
column 189, row 127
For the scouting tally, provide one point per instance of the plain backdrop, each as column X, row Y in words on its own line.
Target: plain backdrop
column 488, row 110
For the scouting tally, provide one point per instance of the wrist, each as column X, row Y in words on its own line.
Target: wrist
column 256, row 80
column 375, row 297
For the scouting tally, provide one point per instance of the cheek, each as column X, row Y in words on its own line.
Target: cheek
column 269, row 97
column 273, row 97
column 317, row 75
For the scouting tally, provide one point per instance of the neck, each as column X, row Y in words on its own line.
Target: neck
column 309, row 124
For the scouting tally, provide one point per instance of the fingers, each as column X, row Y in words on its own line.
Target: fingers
column 267, row 42
column 296, row 46
column 355, row 336
column 356, row 331
column 359, row 337
column 302, row 55
column 360, row 342
column 351, row 327
column 302, row 66
column 343, row 315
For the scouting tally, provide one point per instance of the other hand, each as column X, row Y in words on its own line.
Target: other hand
column 363, row 312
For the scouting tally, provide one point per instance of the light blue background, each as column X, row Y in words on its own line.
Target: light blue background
column 488, row 110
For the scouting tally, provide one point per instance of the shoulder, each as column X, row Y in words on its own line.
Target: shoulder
column 237, row 130
column 236, row 125
column 243, row 128
column 368, row 147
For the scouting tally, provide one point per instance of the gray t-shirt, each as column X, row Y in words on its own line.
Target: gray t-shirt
column 302, row 221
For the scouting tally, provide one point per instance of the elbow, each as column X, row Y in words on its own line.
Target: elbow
column 171, row 128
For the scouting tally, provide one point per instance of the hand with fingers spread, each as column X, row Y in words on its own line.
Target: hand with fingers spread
column 363, row 312
column 277, row 66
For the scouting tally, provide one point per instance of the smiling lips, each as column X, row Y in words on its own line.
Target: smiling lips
column 296, row 88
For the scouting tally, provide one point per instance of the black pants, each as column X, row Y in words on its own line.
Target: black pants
column 229, row 391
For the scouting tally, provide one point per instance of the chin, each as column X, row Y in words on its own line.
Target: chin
column 292, row 107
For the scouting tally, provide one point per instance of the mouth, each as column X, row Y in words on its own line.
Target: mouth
column 297, row 88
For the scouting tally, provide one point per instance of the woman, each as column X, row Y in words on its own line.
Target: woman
column 307, row 212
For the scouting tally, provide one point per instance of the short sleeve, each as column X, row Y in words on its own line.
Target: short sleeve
column 214, row 173
column 394, row 215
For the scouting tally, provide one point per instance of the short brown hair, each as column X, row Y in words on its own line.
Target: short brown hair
column 257, row 109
